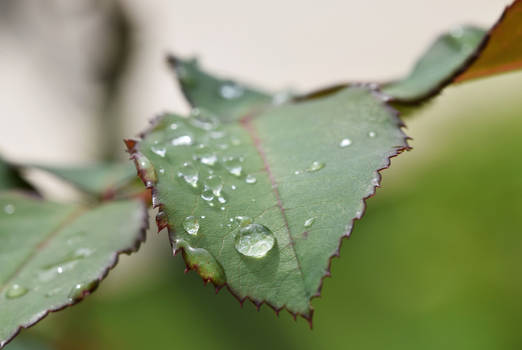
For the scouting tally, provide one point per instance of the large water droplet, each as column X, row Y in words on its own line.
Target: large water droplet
column 309, row 222
column 191, row 225
column 203, row 119
column 204, row 262
column 185, row 140
column 9, row 209
column 233, row 165
column 316, row 166
column 160, row 151
column 231, row 91
column 345, row 143
column 205, row 155
column 254, row 240
column 80, row 289
column 190, row 174
column 250, row 179
column 15, row 291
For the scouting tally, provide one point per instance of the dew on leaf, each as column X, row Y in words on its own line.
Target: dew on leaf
column 173, row 126
column 345, row 143
column 254, row 240
column 309, row 222
column 203, row 261
column 372, row 134
column 161, row 171
column 191, row 225
column 185, row 140
column 207, row 195
column 15, row 291
column 203, row 119
column 235, row 141
column 190, row 174
column 205, row 155
column 147, row 171
column 250, row 179
column 233, row 187
column 160, row 151
column 315, row 166
column 78, row 290
column 233, row 165
column 243, row 220
column 214, row 183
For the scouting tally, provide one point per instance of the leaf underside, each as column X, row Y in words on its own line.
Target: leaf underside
column 294, row 178
column 52, row 255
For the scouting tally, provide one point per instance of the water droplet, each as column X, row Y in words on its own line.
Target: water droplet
column 205, row 155
column 250, row 179
column 15, row 291
column 161, row 171
column 316, row 166
column 159, row 151
column 372, row 134
column 9, row 209
column 243, row 220
column 173, row 126
column 214, row 183
column 297, row 172
column 79, row 290
column 147, row 171
column 231, row 91
column 207, row 195
column 223, row 146
column 202, row 216
column 345, row 143
column 254, row 240
column 309, row 222
column 190, row 174
column 53, row 292
column 217, row 134
column 235, row 141
column 203, row 119
column 204, row 262
column 222, row 200
column 191, row 225
column 233, row 187
column 185, row 140
column 233, row 165
column 222, row 208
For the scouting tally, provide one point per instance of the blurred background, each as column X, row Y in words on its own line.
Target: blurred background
column 435, row 263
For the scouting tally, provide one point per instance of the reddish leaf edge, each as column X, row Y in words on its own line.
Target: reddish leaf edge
column 452, row 79
column 162, row 221
column 93, row 285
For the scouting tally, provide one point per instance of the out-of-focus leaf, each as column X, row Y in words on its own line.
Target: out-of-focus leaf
column 96, row 179
column 438, row 66
column 228, row 99
column 10, row 177
column 52, row 255
column 261, row 204
column 503, row 50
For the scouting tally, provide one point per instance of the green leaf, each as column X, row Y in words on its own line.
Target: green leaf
column 260, row 205
column 53, row 255
column 96, row 179
column 438, row 66
column 10, row 177
column 228, row 99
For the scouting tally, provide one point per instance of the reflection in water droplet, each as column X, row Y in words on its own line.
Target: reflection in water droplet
column 9, row 209
column 185, row 140
column 250, row 179
column 214, row 183
column 309, row 222
column 372, row 134
column 191, row 225
column 345, row 143
column 15, row 291
column 207, row 195
column 316, row 166
column 254, row 240
column 190, row 174
column 243, row 220
column 205, row 155
column 231, row 91
column 233, row 165
column 159, row 151
column 203, row 119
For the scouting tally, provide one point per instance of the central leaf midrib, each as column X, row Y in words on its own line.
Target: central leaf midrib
column 74, row 215
column 246, row 123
